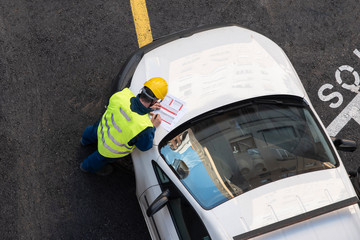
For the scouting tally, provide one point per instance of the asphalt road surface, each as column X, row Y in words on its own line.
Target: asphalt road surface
column 57, row 62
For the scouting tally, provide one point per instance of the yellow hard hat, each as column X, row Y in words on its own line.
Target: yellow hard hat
column 158, row 86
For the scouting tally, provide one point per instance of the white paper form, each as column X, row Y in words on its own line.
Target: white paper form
column 172, row 109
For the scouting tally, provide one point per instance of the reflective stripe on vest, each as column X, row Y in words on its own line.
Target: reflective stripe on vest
column 112, row 139
column 109, row 134
column 119, row 125
column 114, row 124
column 124, row 114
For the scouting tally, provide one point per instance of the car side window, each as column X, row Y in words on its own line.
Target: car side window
column 187, row 222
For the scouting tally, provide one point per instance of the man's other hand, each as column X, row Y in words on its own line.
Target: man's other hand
column 156, row 119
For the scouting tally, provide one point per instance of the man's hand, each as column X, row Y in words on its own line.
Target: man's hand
column 156, row 106
column 156, row 119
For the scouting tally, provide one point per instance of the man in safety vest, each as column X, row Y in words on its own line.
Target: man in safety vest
column 125, row 125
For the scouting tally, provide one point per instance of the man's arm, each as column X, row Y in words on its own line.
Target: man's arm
column 144, row 140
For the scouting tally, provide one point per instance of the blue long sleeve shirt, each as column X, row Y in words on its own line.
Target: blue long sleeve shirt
column 144, row 140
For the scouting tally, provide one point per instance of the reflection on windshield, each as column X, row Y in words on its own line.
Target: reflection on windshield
column 224, row 156
column 187, row 149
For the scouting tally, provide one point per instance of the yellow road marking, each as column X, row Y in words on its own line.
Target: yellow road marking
column 141, row 21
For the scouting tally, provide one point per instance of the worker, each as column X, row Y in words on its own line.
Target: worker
column 126, row 124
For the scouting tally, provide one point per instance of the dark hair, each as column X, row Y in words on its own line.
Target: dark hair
column 147, row 95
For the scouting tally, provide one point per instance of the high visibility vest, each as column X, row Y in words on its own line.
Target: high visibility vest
column 119, row 125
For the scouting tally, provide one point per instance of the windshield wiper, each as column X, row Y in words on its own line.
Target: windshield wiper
column 282, row 102
column 219, row 111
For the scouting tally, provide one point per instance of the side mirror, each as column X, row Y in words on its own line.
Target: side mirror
column 344, row 145
column 158, row 203
column 181, row 168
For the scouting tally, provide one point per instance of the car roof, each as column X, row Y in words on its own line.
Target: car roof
column 216, row 67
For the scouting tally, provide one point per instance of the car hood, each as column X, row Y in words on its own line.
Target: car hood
column 283, row 206
column 217, row 67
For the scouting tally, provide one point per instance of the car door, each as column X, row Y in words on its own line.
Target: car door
column 160, row 225
column 177, row 219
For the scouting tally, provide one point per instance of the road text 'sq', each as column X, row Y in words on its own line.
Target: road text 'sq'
column 351, row 111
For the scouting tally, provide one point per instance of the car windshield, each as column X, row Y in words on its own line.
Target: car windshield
column 239, row 149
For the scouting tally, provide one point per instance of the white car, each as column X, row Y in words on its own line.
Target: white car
column 248, row 157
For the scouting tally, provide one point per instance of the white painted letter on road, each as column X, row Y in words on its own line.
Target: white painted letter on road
column 330, row 96
column 352, row 87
